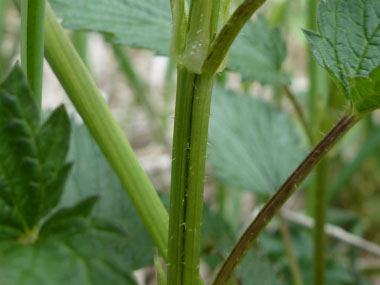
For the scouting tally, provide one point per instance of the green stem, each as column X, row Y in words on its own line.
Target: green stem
column 141, row 92
column 82, row 90
column 320, row 219
column 314, row 73
column 160, row 272
column 216, row 12
column 188, row 174
column 181, row 147
column 300, row 115
column 316, row 196
column 32, row 43
column 294, row 267
column 227, row 35
column 179, row 16
column 196, row 177
column 282, row 195
column 80, row 42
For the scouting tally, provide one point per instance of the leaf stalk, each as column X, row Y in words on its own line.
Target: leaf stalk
column 221, row 45
column 87, row 99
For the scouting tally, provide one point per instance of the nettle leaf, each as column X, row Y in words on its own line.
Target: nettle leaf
column 39, row 243
column 135, row 23
column 348, row 46
column 258, row 53
column 93, row 176
column 252, row 144
column 94, row 255
column 32, row 158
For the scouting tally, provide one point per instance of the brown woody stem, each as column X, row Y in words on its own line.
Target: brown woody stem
column 281, row 196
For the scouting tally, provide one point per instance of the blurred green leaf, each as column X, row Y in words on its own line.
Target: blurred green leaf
column 218, row 239
column 370, row 147
column 258, row 53
column 92, row 176
column 135, row 23
column 91, row 256
column 339, row 271
column 252, row 145
column 257, row 270
column 32, row 158
column 348, row 47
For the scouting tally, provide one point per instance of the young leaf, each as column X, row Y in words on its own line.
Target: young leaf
column 32, row 167
column 258, row 53
column 135, row 23
column 253, row 145
column 348, row 47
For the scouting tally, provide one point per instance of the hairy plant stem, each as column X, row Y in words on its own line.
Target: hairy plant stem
column 180, row 155
column 193, row 102
column 88, row 101
column 32, row 44
column 281, row 196
column 196, row 176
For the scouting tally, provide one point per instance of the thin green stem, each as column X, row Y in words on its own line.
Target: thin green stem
column 300, row 114
column 281, row 196
column 293, row 263
column 141, row 93
column 216, row 12
column 227, row 35
column 320, row 219
column 80, row 42
column 160, row 272
column 82, row 90
column 179, row 30
column 32, row 43
column 314, row 74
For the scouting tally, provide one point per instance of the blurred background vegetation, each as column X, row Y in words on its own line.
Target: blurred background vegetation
column 140, row 88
